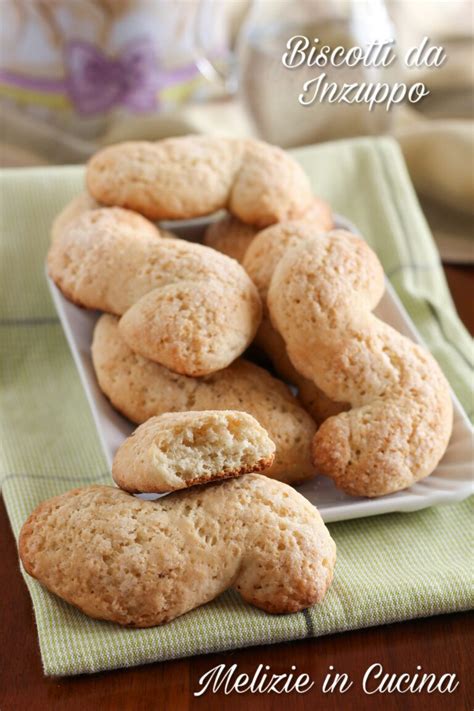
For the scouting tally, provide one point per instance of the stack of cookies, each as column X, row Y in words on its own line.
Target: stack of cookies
column 366, row 407
column 143, row 563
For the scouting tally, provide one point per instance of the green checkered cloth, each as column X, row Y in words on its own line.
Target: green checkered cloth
column 389, row 568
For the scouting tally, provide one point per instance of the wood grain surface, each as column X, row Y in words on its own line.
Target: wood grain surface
column 440, row 645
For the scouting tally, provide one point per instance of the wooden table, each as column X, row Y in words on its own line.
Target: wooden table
column 439, row 645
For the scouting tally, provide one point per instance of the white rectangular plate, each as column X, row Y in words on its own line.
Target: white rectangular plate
column 452, row 480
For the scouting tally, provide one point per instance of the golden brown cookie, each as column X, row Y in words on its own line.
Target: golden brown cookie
column 313, row 399
column 181, row 449
column 140, row 389
column 191, row 308
column 189, row 176
column 192, row 328
column 231, row 236
column 320, row 298
column 74, row 209
column 143, row 563
column 260, row 261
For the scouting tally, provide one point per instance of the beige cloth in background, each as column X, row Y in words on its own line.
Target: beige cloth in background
column 440, row 159
column 438, row 138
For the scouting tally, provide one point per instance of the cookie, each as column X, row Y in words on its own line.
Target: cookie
column 140, row 389
column 181, row 449
column 98, row 260
column 143, row 563
column 233, row 237
column 190, row 176
column 319, row 214
column 260, row 261
column 74, row 209
column 320, row 299
column 193, row 328
column 313, row 399
column 203, row 311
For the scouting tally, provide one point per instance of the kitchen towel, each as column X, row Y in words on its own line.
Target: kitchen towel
column 389, row 568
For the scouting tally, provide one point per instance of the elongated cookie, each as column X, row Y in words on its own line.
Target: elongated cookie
column 189, row 176
column 143, row 563
column 191, row 328
column 320, row 298
column 140, row 389
column 181, row 449
column 313, row 399
column 74, row 209
column 189, row 307
column 260, row 261
column 233, row 237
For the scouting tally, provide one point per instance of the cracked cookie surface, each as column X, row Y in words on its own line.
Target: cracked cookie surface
column 143, row 563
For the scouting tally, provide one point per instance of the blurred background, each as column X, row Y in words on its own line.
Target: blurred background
column 79, row 74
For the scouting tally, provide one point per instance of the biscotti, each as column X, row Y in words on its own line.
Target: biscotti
column 313, row 399
column 70, row 212
column 320, row 298
column 140, row 389
column 189, row 176
column 181, row 449
column 233, row 237
column 260, row 261
column 143, row 563
column 189, row 307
